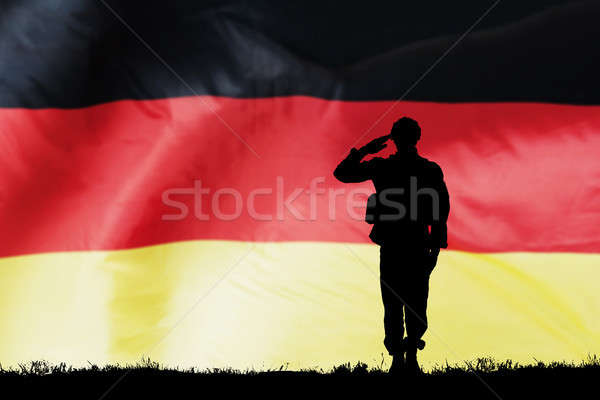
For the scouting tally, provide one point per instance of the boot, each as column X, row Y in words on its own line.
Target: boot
column 398, row 365
column 412, row 366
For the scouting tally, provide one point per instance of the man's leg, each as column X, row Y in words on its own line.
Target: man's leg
column 393, row 319
column 416, row 293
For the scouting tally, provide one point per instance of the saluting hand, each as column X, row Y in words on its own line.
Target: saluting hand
column 376, row 145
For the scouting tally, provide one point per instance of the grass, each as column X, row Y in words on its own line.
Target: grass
column 481, row 366
column 478, row 379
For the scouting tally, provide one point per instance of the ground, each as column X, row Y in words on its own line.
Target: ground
column 483, row 378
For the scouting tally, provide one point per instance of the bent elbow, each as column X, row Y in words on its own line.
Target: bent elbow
column 341, row 176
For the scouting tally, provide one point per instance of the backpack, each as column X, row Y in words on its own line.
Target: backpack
column 371, row 214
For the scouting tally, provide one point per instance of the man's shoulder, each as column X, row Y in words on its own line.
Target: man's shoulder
column 431, row 167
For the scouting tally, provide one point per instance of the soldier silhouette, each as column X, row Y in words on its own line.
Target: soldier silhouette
column 408, row 211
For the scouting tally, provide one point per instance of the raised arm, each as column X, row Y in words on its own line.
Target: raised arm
column 353, row 169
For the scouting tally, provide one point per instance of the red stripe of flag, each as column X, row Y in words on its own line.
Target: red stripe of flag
column 522, row 177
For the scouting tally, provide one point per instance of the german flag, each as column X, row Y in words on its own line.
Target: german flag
column 167, row 188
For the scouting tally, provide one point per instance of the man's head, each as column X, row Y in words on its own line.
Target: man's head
column 406, row 132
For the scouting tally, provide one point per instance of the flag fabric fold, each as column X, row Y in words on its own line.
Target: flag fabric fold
column 167, row 186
